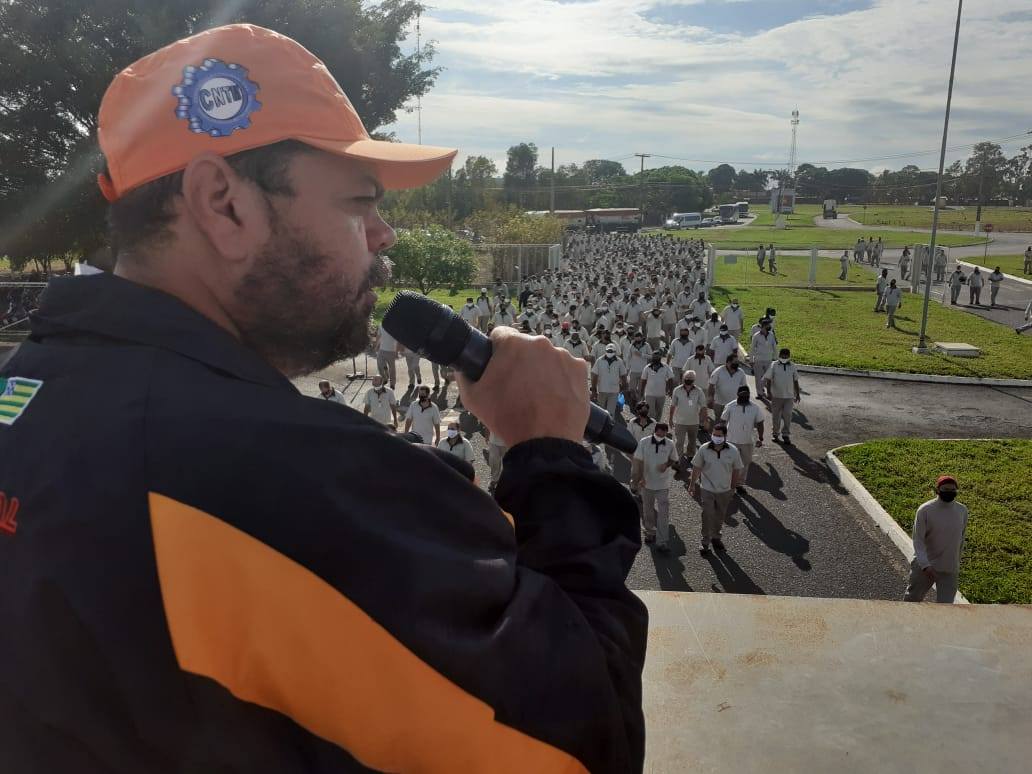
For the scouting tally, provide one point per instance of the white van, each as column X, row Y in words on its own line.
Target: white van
column 684, row 220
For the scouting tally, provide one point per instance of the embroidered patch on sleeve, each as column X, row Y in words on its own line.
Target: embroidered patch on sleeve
column 16, row 392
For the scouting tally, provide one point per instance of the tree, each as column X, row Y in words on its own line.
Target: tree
column 598, row 171
column 721, row 178
column 59, row 56
column 984, row 173
column 751, row 181
column 520, row 174
column 432, row 258
column 479, row 170
column 1019, row 175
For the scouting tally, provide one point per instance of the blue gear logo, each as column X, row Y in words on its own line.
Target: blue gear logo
column 216, row 98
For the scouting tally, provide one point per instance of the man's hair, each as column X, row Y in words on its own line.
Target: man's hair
column 785, row 352
column 142, row 217
column 720, row 426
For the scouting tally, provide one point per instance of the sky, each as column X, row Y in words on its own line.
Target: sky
column 700, row 82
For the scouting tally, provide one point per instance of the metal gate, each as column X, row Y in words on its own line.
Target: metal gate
column 512, row 263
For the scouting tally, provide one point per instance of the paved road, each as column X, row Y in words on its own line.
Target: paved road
column 797, row 532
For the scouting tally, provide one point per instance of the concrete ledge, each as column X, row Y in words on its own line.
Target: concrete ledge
column 908, row 377
column 873, row 509
column 1011, row 277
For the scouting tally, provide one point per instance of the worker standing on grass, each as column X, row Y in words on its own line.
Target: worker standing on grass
column 1027, row 268
column 844, row 265
column 761, row 256
column 893, row 301
column 772, row 260
column 939, row 527
column 879, row 290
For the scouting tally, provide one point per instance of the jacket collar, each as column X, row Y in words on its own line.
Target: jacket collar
column 106, row 306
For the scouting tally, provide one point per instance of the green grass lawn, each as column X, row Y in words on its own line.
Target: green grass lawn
column 995, row 485
column 792, row 270
column 1009, row 264
column 802, row 234
column 832, row 328
column 1002, row 218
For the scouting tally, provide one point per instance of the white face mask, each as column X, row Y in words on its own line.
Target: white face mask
column 452, row 433
column 783, row 360
column 717, row 439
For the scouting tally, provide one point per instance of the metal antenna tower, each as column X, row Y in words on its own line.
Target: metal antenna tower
column 792, row 154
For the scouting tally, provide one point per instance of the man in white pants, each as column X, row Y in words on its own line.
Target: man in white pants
column 484, row 310
column 608, row 378
column 716, row 471
column 744, row 418
column 387, row 357
column 687, row 413
column 782, row 383
column 761, row 352
column 496, row 448
column 995, row 280
column 938, row 541
column 652, row 471
column 381, row 404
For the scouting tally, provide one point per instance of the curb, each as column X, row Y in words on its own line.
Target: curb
column 872, row 508
column 908, row 377
column 1011, row 277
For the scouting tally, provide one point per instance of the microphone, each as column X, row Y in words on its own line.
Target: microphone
column 436, row 332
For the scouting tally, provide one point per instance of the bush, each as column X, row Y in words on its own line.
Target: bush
column 432, row 258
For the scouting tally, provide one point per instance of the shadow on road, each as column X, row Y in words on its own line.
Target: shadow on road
column 766, row 526
column 670, row 566
column 805, row 465
column 731, row 578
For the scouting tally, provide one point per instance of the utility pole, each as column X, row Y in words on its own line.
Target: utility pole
column 922, row 345
column 551, row 200
column 419, row 99
column 643, row 156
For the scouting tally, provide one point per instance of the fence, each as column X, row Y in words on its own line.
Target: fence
column 511, row 263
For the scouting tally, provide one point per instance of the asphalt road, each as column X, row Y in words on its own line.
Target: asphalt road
column 797, row 532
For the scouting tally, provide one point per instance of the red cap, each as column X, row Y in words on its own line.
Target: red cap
column 945, row 479
column 234, row 88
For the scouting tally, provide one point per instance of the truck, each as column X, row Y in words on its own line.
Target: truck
column 830, row 209
column 625, row 219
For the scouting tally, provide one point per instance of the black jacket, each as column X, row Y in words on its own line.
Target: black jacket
column 208, row 572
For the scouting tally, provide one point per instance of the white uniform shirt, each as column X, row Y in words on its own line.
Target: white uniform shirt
column 893, row 296
column 463, row 449
column 380, row 405
column 336, row 397
column 636, row 357
column 957, row 279
column 700, row 309
column 726, row 384
column 483, row 306
column 469, row 313
column 635, row 429
column 504, row 317
column 668, row 313
column 609, row 374
column 976, row 280
column 424, row 420
column 716, row 466
column 656, row 379
column 653, row 325
column 686, row 404
column 653, row 453
column 996, row 278
column 681, row 350
column 762, row 347
column 712, row 329
column 741, row 422
column 580, row 349
column 387, row 342
column 782, row 379
column 939, row 534
column 733, row 317
column 703, row 369
column 723, row 347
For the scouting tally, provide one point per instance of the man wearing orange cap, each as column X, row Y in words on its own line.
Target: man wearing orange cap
column 939, row 527
column 210, row 571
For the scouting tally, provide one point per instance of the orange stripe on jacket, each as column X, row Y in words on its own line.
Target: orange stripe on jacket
column 275, row 634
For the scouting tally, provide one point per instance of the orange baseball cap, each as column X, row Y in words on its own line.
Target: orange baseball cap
column 230, row 89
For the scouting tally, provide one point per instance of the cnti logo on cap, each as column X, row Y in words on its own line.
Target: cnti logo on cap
column 216, row 98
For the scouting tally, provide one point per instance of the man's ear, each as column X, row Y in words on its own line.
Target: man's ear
column 230, row 211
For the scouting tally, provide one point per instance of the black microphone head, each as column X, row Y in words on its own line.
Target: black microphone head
column 425, row 326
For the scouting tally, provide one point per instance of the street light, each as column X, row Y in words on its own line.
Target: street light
column 922, row 345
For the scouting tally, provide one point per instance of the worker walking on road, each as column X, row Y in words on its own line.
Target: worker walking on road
column 687, row 413
column 995, row 279
column 652, row 472
column 893, row 301
column 975, row 283
column 904, row 264
column 716, row 472
column 956, row 281
column 939, row 527
column 1027, row 269
column 743, row 418
column 782, row 383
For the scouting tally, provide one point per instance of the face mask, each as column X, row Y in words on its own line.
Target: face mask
column 688, row 384
column 783, row 360
column 947, row 497
column 684, row 337
column 733, row 366
column 452, row 433
column 424, row 398
column 718, row 440
column 734, row 306
column 378, row 390
column 743, row 399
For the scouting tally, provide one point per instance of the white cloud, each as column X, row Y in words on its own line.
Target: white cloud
column 597, row 78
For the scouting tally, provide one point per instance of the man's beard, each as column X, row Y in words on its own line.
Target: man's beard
column 292, row 316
